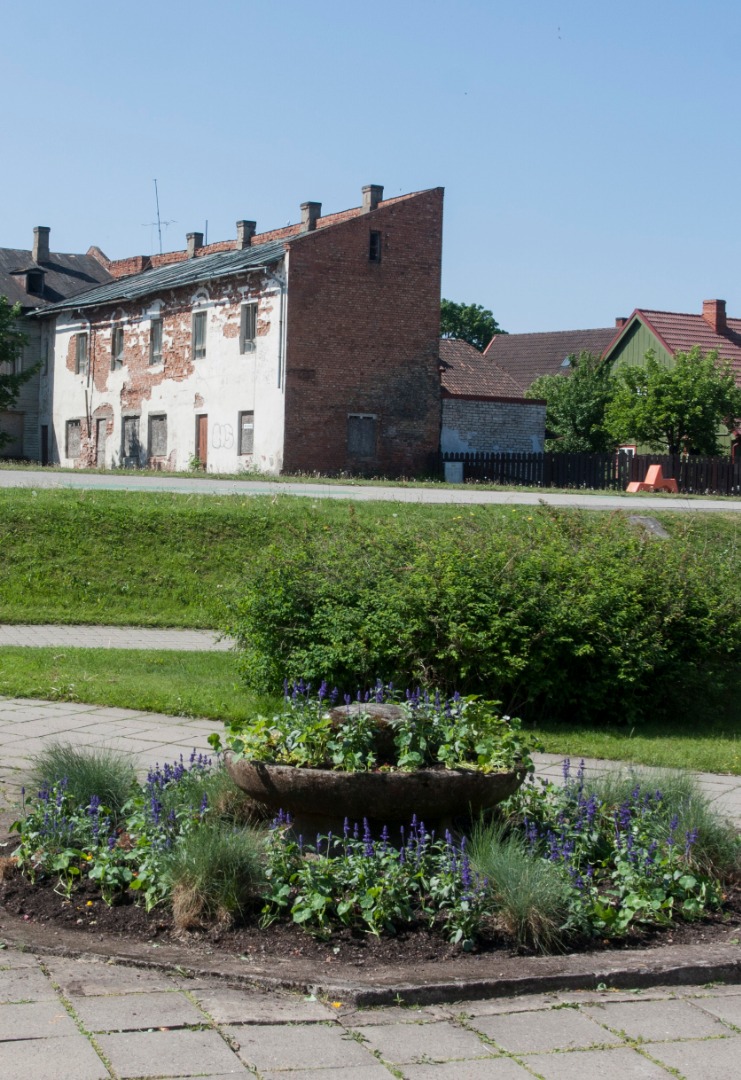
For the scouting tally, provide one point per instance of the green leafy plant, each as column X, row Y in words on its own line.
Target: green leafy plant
column 426, row 730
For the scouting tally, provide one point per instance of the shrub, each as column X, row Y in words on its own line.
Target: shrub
column 86, row 772
column 561, row 613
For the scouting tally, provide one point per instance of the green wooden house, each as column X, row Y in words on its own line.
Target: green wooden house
column 667, row 333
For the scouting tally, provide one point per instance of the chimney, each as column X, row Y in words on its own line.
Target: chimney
column 245, row 231
column 195, row 243
column 310, row 211
column 714, row 313
column 620, row 321
column 41, row 244
column 372, row 195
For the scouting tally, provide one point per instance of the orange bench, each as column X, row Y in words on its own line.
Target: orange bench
column 654, row 481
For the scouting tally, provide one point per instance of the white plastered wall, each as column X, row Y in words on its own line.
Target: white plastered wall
column 220, row 386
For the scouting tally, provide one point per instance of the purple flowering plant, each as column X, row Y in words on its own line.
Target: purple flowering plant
column 431, row 729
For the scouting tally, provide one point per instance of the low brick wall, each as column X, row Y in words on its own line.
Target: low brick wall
column 509, row 425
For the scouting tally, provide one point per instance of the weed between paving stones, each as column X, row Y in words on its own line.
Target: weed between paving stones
column 557, row 869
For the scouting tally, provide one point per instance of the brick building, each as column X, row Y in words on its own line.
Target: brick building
column 309, row 348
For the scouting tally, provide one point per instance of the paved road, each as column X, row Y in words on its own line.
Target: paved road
column 470, row 495
column 64, row 1019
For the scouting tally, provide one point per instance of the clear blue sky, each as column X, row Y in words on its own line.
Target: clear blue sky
column 590, row 151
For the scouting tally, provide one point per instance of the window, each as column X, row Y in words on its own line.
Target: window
column 157, row 436
column 246, row 432
column 199, row 334
column 131, row 447
column 374, row 247
column 248, row 328
column 81, row 354
column 117, row 347
column 72, row 439
column 155, row 341
column 35, row 282
column 361, row 434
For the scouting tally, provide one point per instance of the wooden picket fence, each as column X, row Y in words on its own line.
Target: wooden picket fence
column 599, row 472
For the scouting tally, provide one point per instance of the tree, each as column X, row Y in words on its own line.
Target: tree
column 575, row 406
column 468, row 322
column 11, row 348
column 674, row 408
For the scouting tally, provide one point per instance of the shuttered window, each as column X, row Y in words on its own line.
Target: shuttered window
column 158, row 436
column 72, row 438
column 199, row 334
column 246, row 432
column 361, row 434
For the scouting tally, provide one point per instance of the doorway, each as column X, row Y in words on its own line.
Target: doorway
column 202, row 440
column 101, row 434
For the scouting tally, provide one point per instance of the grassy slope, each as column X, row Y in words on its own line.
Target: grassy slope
column 135, row 559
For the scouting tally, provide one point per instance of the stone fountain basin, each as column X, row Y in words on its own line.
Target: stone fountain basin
column 387, row 796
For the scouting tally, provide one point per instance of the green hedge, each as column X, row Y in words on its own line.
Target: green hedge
column 561, row 614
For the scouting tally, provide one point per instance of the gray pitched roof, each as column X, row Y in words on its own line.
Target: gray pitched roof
column 188, row 272
column 64, row 276
column 527, row 356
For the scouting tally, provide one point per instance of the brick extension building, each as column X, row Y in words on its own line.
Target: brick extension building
column 309, row 348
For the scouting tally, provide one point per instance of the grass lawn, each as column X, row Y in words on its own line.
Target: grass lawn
column 175, row 683
column 128, row 559
column 206, row 684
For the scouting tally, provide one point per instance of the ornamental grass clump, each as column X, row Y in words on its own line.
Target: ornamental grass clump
column 216, row 874
column 86, row 771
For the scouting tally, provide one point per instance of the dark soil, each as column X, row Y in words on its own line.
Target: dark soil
column 39, row 904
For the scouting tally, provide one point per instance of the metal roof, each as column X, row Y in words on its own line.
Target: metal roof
column 188, row 272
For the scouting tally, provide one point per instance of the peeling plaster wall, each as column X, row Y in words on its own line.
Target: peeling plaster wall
column 490, row 426
column 220, row 385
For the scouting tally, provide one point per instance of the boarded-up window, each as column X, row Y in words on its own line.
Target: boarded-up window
column 246, row 432
column 361, row 434
column 131, row 448
column 11, row 425
column 81, row 354
column 199, row 334
column 117, row 347
column 248, row 328
column 374, row 247
column 72, row 439
column 157, row 436
column 155, row 341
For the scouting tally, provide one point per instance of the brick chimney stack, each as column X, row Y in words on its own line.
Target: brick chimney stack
column 372, row 195
column 620, row 321
column 245, row 231
column 195, row 243
column 714, row 313
column 310, row 211
column 41, row 244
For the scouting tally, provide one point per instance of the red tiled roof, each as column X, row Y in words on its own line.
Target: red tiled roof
column 525, row 357
column 680, row 332
column 465, row 372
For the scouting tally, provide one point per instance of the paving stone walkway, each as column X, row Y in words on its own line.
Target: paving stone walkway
column 64, row 1019
column 112, row 637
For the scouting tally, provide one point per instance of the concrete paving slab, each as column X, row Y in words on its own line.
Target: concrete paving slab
column 226, row 1006
column 24, row 984
column 373, row 1071
column 529, row 1032
column 36, row 1020
column 353, row 1018
column 112, row 637
column 51, row 1059
column 441, row 1041
column 279, row 1047
column 726, row 1009
column 618, row 1064
column 82, row 978
column 492, row 1069
column 710, row 1059
column 169, row 1053
column 137, row 1012
column 656, row 1020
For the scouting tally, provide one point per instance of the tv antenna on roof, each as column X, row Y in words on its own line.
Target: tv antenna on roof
column 159, row 223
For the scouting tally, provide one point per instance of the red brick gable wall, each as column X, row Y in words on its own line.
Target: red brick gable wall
column 362, row 338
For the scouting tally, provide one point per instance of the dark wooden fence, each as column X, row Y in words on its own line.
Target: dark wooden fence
column 600, row 472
